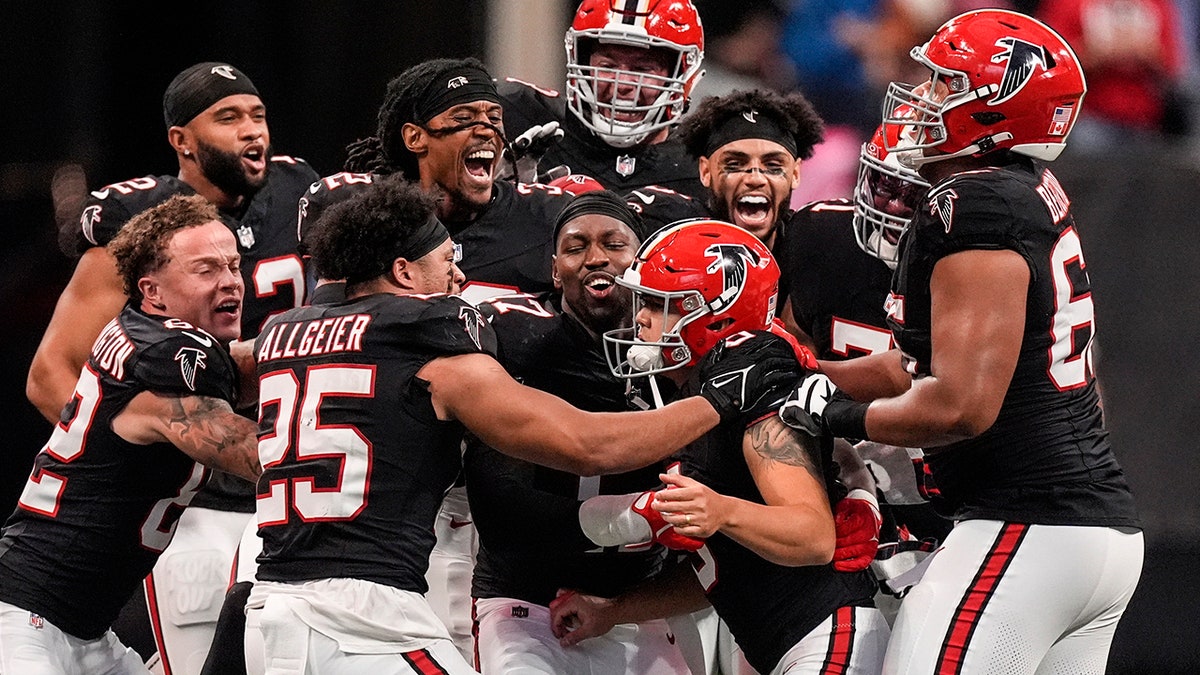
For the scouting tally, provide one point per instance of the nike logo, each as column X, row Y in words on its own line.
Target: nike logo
column 207, row 342
column 719, row 382
column 455, row 524
column 646, row 199
column 100, row 194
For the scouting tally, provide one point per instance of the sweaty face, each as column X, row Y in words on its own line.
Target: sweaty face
column 463, row 155
column 437, row 271
column 592, row 251
column 640, row 84
column 751, row 181
column 233, row 143
column 201, row 282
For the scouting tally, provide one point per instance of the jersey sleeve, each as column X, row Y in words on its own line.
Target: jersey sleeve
column 660, row 206
column 452, row 326
column 323, row 193
column 109, row 208
column 975, row 212
column 187, row 362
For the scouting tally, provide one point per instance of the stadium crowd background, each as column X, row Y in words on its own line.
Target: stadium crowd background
column 82, row 86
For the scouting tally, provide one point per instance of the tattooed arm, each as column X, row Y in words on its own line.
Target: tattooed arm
column 793, row 527
column 204, row 428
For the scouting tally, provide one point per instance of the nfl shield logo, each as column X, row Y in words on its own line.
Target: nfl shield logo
column 626, row 165
column 246, row 236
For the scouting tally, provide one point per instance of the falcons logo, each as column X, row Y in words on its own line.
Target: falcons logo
column 190, row 361
column 1023, row 57
column 942, row 206
column 731, row 261
column 91, row 216
column 471, row 320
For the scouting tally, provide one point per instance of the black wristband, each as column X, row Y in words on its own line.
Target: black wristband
column 846, row 419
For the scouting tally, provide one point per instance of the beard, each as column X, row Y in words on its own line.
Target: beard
column 224, row 170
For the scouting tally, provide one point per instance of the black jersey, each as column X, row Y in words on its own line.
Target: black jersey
column 1047, row 459
column 837, row 290
column 619, row 169
column 659, row 206
column 768, row 607
column 272, row 269
column 527, row 515
column 98, row 510
column 355, row 461
column 265, row 230
column 509, row 245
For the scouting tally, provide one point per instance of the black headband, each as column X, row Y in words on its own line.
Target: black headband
column 749, row 124
column 198, row 87
column 424, row 238
column 602, row 203
column 465, row 84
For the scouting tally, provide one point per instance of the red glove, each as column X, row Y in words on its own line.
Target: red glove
column 803, row 354
column 856, row 520
column 661, row 531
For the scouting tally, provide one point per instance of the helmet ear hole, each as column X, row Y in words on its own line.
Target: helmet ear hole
column 988, row 118
column 720, row 325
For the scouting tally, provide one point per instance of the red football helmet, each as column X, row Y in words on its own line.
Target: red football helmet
column 1000, row 80
column 885, row 197
column 672, row 25
column 576, row 184
column 712, row 279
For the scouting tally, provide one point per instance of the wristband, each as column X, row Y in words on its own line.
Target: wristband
column 846, row 419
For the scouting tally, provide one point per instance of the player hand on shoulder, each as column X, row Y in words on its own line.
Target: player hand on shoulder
column 817, row 406
column 744, row 368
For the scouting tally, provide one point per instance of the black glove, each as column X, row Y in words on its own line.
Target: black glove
column 817, row 406
column 526, row 150
column 735, row 377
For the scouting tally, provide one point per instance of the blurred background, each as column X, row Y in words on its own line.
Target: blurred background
column 81, row 100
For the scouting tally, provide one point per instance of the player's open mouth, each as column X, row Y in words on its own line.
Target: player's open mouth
column 752, row 210
column 255, row 159
column 479, row 164
column 230, row 307
column 599, row 285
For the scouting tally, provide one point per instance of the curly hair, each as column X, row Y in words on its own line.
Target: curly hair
column 792, row 112
column 141, row 246
column 385, row 153
column 358, row 239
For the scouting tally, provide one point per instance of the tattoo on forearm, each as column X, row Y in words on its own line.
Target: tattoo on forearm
column 211, row 428
column 775, row 441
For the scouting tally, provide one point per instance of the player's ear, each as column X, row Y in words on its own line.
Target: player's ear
column 415, row 138
column 151, row 292
column 178, row 138
column 705, row 173
column 796, row 173
column 402, row 274
column 554, row 273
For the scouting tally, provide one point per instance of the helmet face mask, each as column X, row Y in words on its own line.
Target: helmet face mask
column 1000, row 80
column 885, row 197
column 697, row 282
column 648, row 102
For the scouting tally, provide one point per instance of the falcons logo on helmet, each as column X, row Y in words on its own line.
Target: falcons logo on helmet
column 190, row 360
column 1023, row 58
column 731, row 261
column 471, row 320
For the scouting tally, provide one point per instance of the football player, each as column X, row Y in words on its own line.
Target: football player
column 217, row 126
column 449, row 139
column 991, row 310
column 440, row 126
column 151, row 408
column 755, row 494
column 531, row 546
column 364, row 406
column 840, row 256
column 631, row 67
